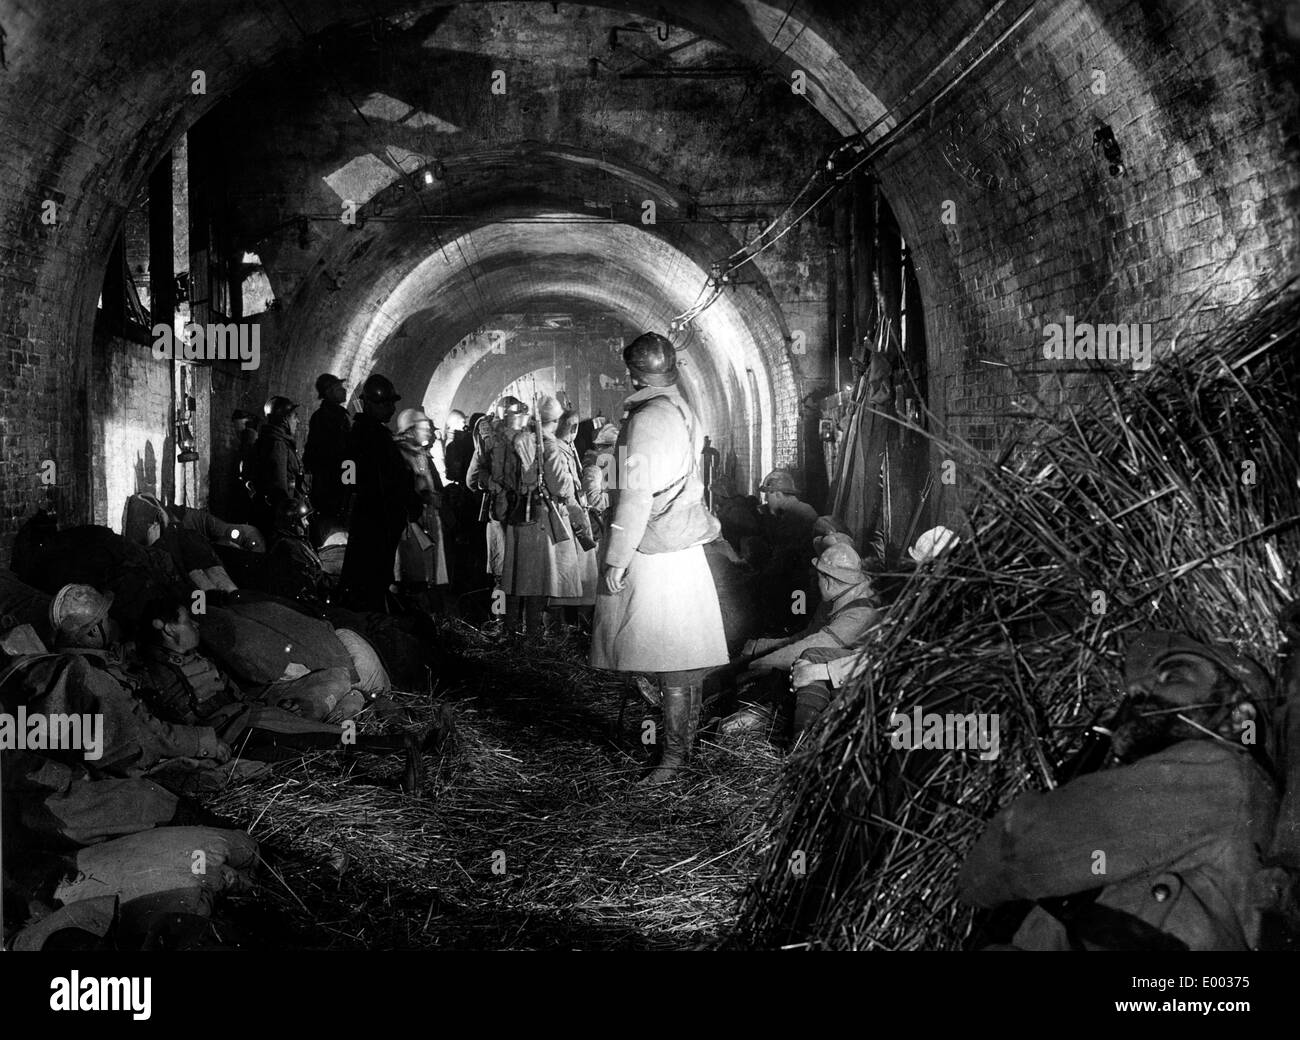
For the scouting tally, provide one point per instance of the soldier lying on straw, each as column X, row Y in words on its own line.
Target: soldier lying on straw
column 1164, row 851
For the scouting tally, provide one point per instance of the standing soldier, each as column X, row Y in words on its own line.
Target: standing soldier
column 421, row 554
column 326, row 450
column 542, row 552
column 277, row 472
column 492, row 472
column 657, row 608
column 564, row 478
column 524, row 574
column 709, row 470
column 383, row 500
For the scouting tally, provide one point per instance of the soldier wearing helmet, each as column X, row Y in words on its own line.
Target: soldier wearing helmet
column 102, row 682
column 383, row 500
column 656, row 607
column 1183, row 815
column 278, row 472
column 421, row 553
column 849, row 609
column 493, row 473
column 293, row 567
column 326, row 450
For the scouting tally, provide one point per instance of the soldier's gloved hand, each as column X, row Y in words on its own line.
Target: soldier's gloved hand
column 223, row 754
column 615, row 580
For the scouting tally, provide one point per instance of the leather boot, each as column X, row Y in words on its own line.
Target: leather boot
column 681, row 707
column 555, row 626
column 810, row 702
column 512, row 614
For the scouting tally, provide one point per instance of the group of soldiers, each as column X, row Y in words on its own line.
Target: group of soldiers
column 1187, row 814
column 373, row 491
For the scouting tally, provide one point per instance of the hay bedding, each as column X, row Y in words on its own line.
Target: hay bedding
column 540, row 771
column 1141, row 495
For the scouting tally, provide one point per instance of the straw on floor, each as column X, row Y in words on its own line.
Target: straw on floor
column 1167, row 501
column 531, row 834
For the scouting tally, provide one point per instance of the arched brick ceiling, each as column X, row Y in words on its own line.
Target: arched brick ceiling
column 1199, row 95
column 611, row 266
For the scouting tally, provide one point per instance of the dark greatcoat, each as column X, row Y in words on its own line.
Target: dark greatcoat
column 323, row 458
column 383, row 501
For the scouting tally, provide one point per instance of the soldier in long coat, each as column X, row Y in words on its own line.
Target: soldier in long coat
column 491, row 471
column 421, row 553
column 383, row 501
column 566, row 571
column 540, row 561
column 565, row 478
column 657, row 608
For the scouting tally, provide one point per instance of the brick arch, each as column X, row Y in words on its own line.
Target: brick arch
column 1202, row 104
column 610, row 266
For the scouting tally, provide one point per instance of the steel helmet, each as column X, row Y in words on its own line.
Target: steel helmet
column 278, row 409
column 1146, row 651
column 379, row 389
column 652, row 359
column 291, row 515
column 324, row 382
column 408, row 417
column 823, row 542
column 76, row 607
column 778, row 480
column 511, row 406
column 841, row 561
column 549, row 409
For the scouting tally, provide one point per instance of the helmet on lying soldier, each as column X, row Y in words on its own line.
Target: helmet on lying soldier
column 291, row 517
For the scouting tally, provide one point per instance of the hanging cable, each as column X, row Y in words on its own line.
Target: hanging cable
column 750, row 250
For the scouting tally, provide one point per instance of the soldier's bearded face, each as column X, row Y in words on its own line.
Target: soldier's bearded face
column 1181, row 684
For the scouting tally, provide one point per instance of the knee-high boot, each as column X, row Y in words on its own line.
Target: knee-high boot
column 681, row 708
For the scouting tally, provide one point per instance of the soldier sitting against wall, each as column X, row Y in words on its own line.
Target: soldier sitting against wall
column 848, row 611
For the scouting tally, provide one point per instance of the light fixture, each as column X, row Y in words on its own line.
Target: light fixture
column 186, row 443
column 428, row 176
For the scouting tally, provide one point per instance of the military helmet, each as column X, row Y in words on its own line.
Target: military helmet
column 652, row 359
column 511, row 406
column 278, row 408
column 408, row 417
column 840, row 560
column 778, row 480
column 76, row 607
column 379, row 389
column 291, row 515
column 325, row 381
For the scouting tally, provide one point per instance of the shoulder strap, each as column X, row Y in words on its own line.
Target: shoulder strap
column 690, row 437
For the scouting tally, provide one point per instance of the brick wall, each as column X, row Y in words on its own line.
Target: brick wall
column 1199, row 95
column 131, row 435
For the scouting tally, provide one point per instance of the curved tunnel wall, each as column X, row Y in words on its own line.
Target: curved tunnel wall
column 1200, row 98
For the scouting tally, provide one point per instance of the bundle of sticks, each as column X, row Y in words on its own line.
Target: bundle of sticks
column 1167, row 500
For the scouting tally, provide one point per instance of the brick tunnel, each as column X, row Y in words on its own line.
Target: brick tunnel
column 831, row 209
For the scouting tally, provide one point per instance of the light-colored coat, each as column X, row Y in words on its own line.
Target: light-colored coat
column 667, row 617
column 534, row 564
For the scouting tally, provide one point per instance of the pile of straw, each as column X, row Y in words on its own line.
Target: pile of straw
column 541, row 771
column 1174, row 495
